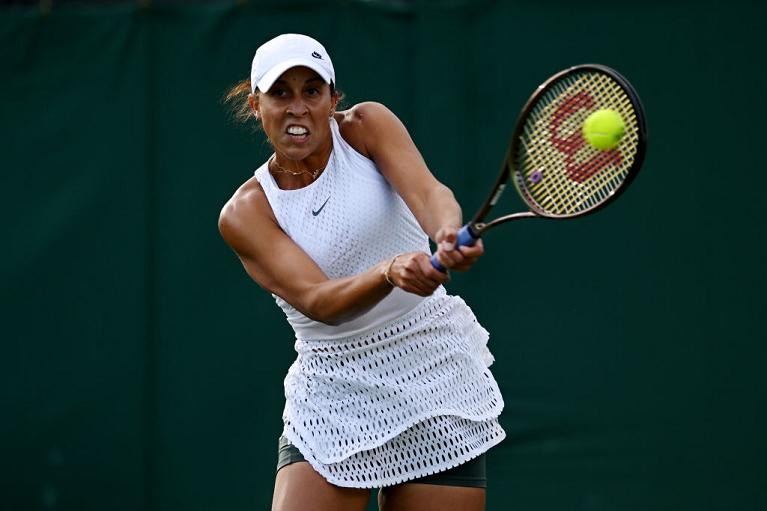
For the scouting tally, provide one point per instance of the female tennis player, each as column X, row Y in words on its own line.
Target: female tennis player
column 391, row 387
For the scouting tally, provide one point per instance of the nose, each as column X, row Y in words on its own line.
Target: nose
column 297, row 106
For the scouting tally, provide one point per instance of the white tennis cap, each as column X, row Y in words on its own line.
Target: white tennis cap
column 276, row 56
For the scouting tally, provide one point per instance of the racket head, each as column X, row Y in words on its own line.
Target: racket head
column 556, row 172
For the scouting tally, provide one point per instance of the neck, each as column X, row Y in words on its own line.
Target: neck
column 318, row 159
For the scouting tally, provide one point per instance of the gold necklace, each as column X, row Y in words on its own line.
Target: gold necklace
column 295, row 172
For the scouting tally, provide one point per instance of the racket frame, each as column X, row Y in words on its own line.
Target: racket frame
column 471, row 232
column 476, row 227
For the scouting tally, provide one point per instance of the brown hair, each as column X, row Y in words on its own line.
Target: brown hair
column 236, row 99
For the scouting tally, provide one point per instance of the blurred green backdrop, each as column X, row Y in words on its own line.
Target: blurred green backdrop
column 141, row 369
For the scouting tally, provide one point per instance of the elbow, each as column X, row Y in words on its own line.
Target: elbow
column 323, row 311
column 334, row 312
column 331, row 321
column 331, row 318
column 328, row 307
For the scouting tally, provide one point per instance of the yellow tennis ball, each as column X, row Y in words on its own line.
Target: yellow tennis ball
column 604, row 129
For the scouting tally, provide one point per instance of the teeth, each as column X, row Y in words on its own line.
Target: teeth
column 297, row 130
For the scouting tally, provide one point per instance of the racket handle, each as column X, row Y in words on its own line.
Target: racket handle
column 465, row 239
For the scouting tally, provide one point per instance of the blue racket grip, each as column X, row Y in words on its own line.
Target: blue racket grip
column 465, row 239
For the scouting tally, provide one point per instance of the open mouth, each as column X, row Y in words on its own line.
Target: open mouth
column 297, row 132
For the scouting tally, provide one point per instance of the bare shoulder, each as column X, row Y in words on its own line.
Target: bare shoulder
column 247, row 210
column 364, row 115
column 360, row 124
column 247, row 199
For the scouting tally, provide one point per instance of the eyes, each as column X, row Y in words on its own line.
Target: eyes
column 283, row 92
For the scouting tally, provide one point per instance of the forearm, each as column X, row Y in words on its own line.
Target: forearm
column 337, row 300
column 439, row 210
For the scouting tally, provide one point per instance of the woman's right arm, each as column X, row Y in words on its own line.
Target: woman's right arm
column 280, row 266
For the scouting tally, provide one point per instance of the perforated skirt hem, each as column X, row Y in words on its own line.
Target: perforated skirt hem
column 416, row 457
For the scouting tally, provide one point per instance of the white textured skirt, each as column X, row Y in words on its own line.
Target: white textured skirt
column 405, row 400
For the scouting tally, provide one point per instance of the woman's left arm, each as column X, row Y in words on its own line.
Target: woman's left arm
column 386, row 141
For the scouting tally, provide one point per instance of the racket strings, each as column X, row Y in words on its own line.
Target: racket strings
column 569, row 197
column 557, row 171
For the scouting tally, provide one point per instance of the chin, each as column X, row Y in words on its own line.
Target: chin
column 293, row 153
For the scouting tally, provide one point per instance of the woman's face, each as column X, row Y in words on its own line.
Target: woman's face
column 294, row 113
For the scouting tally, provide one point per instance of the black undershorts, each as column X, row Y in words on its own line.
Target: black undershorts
column 470, row 474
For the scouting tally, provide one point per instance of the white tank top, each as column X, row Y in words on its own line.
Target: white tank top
column 347, row 220
column 403, row 390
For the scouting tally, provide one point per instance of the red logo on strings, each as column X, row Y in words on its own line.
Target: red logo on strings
column 570, row 145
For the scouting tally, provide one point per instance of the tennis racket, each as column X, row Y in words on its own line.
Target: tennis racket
column 556, row 171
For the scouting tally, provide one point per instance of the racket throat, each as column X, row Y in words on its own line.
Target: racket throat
column 481, row 227
column 476, row 228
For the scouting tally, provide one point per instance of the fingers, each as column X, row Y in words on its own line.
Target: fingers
column 474, row 251
column 461, row 258
column 414, row 273
column 446, row 237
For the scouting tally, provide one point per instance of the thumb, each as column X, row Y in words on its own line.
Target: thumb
column 448, row 239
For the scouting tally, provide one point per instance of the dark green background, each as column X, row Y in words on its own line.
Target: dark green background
column 141, row 369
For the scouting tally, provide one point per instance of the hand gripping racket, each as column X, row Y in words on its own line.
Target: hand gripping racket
column 556, row 171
